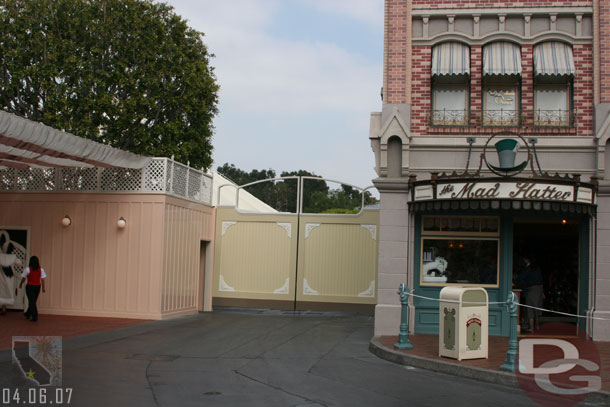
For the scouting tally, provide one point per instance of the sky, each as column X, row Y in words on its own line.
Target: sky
column 298, row 82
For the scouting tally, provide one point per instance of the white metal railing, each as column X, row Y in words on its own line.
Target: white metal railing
column 162, row 175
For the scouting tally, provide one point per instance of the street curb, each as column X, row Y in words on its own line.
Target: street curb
column 469, row 372
column 441, row 366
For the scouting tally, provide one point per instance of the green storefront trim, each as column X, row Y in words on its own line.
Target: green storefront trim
column 427, row 311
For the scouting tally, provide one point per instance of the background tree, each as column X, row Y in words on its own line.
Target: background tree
column 128, row 73
column 318, row 197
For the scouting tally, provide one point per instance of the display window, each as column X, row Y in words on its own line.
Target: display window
column 460, row 250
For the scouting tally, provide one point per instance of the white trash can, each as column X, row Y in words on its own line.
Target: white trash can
column 464, row 323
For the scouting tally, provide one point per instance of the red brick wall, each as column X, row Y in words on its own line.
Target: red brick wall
column 421, row 93
column 604, row 46
column 396, row 51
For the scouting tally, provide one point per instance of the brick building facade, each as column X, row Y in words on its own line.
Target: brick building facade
column 460, row 76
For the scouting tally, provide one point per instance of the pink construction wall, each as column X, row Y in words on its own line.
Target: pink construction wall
column 96, row 269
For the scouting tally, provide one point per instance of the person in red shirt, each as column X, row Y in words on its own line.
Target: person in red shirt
column 35, row 276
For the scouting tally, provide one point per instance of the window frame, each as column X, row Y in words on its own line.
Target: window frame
column 441, row 234
column 457, row 80
column 568, row 81
column 489, row 81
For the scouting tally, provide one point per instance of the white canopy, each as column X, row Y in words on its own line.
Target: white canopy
column 25, row 143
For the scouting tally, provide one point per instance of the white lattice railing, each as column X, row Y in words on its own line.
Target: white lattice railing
column 162, row 175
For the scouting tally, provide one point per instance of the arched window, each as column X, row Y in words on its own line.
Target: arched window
column 501, row 84
column 450, row 84
column 553, row 79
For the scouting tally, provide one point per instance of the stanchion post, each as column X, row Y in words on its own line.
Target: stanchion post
column 403, row 336
column 513, row 305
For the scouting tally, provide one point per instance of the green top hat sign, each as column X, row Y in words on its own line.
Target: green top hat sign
column 507, row 152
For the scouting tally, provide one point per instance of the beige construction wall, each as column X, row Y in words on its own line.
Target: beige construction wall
column 338, row 258
column 96, row 269
column 334, row 259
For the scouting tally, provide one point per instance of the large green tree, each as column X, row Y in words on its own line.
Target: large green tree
column 128, row 73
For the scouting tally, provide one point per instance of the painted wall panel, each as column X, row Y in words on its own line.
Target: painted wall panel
column 255, row 258
column 186, row 225
column 338, row 260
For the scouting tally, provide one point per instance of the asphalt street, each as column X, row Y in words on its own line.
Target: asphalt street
column 249, row 358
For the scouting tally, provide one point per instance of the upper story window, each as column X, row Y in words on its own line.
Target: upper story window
column 554, row 73
column 450, row 84
column 501, row 84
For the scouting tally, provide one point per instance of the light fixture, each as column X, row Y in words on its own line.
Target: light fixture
column 66, row 221
column 564, row 221
column 121, row 223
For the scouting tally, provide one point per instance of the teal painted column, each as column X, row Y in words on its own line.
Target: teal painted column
column 403, row 336
column 513, row 305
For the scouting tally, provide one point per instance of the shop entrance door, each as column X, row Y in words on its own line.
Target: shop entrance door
column 553, row 245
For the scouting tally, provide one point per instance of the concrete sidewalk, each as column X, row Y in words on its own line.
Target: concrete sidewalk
column 424, row 355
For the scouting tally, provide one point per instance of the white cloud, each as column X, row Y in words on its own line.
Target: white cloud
column 369, row 11
column 288, row 104
column 261, row 73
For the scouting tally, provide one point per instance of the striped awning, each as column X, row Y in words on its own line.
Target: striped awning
column 451, row 58
column 502, row 58
column 553, row 58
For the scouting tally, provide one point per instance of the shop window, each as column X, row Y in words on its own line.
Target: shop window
column 450, row 84
column 450, row 101
column 554, row 73
column 501, row 84
column 460, row 250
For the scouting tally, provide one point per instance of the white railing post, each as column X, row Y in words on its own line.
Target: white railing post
column 171, row 176
column 188, row 176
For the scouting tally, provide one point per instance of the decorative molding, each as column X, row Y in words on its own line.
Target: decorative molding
column 501, row 36
column 285, row 289
column 372, row 229
column 494, row 11
column 287, row 227
column 309, row 227
column 223, row 286
column 369, row 292
column 225, row 226
column 307, row 290
column 527, row 18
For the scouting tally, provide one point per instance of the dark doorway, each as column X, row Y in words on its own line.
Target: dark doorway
column 553, row 245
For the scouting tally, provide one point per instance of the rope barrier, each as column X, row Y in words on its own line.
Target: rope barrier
column 505, row 303
column 459, row 302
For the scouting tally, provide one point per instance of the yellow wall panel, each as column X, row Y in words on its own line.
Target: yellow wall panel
column 338, row 261
column 255, row 258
